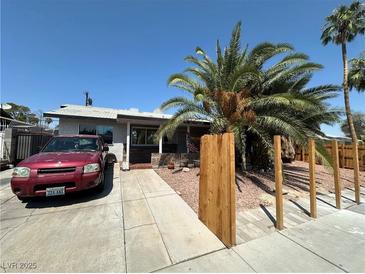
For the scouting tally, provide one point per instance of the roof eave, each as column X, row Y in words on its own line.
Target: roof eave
column 59, row 115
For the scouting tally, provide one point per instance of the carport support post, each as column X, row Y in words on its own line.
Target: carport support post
column 128, row 142
column 160, row 145
column 278, row 183
column 312, row 177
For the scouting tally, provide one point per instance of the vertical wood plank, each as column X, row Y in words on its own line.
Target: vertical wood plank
column 216, row 186
column 217, row 195
column 203, row 201
column 355, row 161
column 231, row 186
column 278, row 183
column 225, row 195
column 362, row 157
column 212, row 184
column 336, row 173
column 312, row 177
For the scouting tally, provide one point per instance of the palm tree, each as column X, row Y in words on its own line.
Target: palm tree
column 359, row 122
column 357, row 73
column 241, row 93
column 341, row 27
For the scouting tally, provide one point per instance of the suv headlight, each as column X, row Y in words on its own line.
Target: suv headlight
column 91, row 168
column 21, row 172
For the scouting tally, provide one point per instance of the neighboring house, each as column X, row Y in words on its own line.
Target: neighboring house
column 6, row 123
column 130, row 134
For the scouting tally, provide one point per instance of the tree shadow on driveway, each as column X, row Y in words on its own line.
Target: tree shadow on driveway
column 76, row 197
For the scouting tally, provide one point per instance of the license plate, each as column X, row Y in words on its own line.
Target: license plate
column 55, row 191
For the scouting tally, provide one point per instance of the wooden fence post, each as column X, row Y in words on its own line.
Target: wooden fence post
column 217, row 196
column 355, row 162
column 278, row 183
column 312, row 177
column 336, row 173
column 342, row 165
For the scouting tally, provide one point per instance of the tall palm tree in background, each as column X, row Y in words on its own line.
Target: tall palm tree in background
column 357, row 73
column 341, row 27
column 240, row 92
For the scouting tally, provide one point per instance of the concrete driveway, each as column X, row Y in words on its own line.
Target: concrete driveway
column 147, row 229
column 78, row 233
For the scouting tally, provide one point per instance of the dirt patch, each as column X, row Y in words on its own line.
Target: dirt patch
column 256, row 188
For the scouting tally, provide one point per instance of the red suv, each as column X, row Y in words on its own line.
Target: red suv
column 65, row 164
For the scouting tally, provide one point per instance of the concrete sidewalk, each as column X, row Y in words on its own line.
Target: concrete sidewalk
column 259, row 222
column 160, row 228
column 163, row 234
column 334, row 243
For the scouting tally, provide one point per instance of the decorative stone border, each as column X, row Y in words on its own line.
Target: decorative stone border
column 179, row 159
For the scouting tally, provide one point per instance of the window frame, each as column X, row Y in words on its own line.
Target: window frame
column 96, row 133
column 146, row 128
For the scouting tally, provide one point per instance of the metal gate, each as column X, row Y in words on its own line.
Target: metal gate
column 28, row 144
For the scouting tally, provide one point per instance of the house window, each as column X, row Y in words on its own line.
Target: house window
column 87, row 129
column 106, row 132
column 143, row 136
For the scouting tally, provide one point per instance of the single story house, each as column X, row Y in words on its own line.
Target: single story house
column 129, row 133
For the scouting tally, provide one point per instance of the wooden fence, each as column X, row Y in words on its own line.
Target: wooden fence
column 344, row 155
column 341, row 157
column 217, row 197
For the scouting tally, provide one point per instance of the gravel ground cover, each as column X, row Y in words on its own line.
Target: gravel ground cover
column 256, row 187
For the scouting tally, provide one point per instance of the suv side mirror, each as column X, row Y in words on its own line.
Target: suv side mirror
column 105, row 148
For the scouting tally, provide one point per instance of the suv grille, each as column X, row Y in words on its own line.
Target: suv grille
column 56, row 170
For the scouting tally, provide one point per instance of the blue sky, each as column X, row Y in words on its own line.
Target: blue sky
column 124, row 51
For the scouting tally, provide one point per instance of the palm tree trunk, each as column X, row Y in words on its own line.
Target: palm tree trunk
column 346, row 94
column 243, row 150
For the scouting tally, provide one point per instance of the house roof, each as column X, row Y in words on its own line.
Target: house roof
column 102, row 113
column 7, row 119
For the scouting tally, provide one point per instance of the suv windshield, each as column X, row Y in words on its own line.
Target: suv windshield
column 67, row 144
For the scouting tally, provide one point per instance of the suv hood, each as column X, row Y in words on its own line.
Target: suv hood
column 60, row 159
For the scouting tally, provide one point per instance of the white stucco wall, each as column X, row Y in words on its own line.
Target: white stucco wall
column 71, row 126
